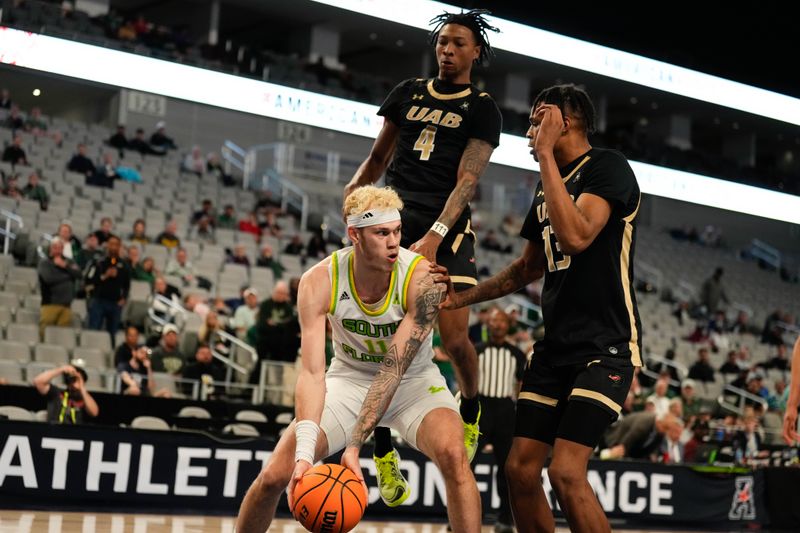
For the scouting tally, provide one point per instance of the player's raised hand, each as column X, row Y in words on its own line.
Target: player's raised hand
column 790, row 434
column 551, row 127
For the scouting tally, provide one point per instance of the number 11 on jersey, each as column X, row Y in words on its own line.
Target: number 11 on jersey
column 424, row 143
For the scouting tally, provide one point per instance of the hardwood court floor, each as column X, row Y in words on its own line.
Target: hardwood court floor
column 56, row 522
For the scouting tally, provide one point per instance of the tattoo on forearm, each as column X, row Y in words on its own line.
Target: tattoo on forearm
column 510, row 279
column 473, row 162
column 395, row 363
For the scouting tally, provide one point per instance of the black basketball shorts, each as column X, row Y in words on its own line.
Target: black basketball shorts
column 457, row 250
column 574, row 402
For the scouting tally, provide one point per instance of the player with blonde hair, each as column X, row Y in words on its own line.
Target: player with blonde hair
column 381, row 301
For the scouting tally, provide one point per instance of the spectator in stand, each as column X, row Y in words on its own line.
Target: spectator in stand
column 215, row 168
column 671, row 449
column 37, row 126
column 194, row 162
column 91, row 251
column 294, row 247
column 14, row 121
column 104, row 233
column 125, row 350
column 108, row 283
column 72, row 246
column 58, row 277
column 755, row 385
column 167, row 357
column 479, row 331
column 139, row 144
column 742, row 324
column 204, row 369
column 250, row 225
column 209, row 330
column 204, row 231
column 316, row 247
column 81, row 163
column 779, row 361
column 127, row 32
column 491, row 242
column 276, row 329
column 712, row 292
column 749, row 440
column 659, row 397
column 36, row 192
column 692, row 405
column 196, row 304
column 169, row 237
column 245, row 316
column 160, row 140
column 105, row 175
column 227, row 220
column 777, row 400
column 269, row 224
column 11, row 188
column 773, row 332
column 136, row 374
column 234, row 303
column 702, row 370
column 165, row 290
column 119, row 140
column 206, row 211
column 181, row 267
column 637, row 435
column 718, row 332
column 238, row 256
column 146, row 271
column 731, row 365
column 70, row 404
column 700, row 433
column 5, row 99
column 268, row 260
column 139, row 234
column 14, row 153
column 134, row 257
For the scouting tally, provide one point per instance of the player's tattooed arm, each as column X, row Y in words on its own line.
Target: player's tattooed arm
column 473, row 162
column 410, row 335
column 523, row 270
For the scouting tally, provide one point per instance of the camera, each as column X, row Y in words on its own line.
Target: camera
column 70, row 379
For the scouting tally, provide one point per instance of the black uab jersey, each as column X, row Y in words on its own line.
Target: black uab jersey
column 435, row 119
column 588, row 301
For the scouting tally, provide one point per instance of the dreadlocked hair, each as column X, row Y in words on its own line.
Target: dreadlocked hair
column 570, row 97
column 473, row 19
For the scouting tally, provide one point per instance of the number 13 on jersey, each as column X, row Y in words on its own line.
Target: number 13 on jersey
column 424, row 143
column 551, row 248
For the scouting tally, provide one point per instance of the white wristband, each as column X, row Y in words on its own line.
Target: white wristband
column 306, row 433
column 440, row 228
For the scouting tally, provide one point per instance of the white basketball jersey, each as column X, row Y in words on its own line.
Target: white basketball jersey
column 362, row 334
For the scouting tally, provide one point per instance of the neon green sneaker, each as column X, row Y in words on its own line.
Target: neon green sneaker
column 393, row 486
column 471, row 435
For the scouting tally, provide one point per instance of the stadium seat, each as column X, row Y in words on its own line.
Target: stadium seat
column 6, row 316
column 284, row 418
column 9, row 300
column 66, row 337
column 93, row 357
column 41, row 415
column 27, row 333
column 248, row 415
column 12, row 412
column 50, row 353
column 15, row 351
column 11, row 370
column 191, row 411
column 96, row 339
column 27, row 317
column 241, row 429
column 150, row 422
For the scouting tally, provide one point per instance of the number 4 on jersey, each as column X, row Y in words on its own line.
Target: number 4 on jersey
column 424, row 143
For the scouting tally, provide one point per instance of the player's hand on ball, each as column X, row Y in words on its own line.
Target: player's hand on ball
column 300, row 468
column 351, row 462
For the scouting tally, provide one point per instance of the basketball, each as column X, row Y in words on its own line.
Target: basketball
column 329, row 497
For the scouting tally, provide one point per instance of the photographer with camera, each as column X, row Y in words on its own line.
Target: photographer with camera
column 67, row 405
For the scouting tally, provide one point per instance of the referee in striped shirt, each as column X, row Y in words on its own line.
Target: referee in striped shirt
column 500, row 369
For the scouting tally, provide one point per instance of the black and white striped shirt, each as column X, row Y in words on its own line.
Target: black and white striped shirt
column 500, row 367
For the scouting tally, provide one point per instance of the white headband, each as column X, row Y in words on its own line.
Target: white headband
column 373, row 217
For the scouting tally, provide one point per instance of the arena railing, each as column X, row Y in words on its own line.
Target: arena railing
column 740, row 399
column 6, row 232
column 664, row 362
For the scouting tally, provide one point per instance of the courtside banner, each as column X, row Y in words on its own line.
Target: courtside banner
column 89, row 467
